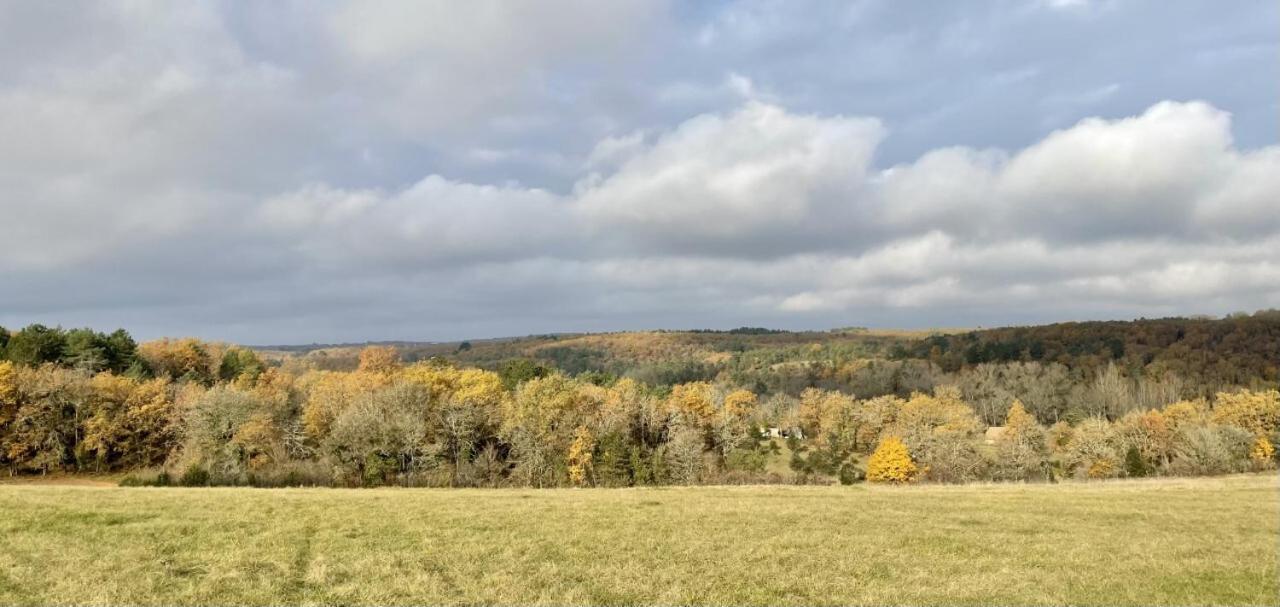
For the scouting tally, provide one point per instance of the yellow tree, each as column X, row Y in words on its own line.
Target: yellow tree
column 104, row 435
column 539, row 424
column 8, row 391
column 733, row 427
column 1185, row 414
column 330, row 393
column 873, row 416
column 384, row 360
column 939, row 429
column 53, row 403
column 1150, row 433
column 465, row 407
column 150, row 420
column 187, row 358
column 1258, row 412
column 831, row 425
column 695, row 401
column 1018, row 423
column 891, row 463
column 1021, row 452
column 8, row 394
column 940, row 413
column 581, row 453
column 259, row 440
column 1092, row 451
column 739, row 404
column 1262, row 453
column 823, row 414
column 8, row 404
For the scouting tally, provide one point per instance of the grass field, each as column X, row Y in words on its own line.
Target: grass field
column 1176, row 542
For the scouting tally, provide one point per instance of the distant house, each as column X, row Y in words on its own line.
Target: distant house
column 993, row 434
column 772, row 432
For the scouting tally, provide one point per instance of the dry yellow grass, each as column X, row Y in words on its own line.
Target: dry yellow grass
column 1171, row 542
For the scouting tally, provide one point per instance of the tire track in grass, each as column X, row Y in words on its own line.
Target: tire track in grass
column 296, row 585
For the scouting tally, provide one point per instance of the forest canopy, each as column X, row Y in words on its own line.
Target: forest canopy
column 1073, row 400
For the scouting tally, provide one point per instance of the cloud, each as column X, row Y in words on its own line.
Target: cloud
column 757, row 175
column 1170, row 172
column 434, row 221
column 287, row 172
column 427, row 67
column 743, row 207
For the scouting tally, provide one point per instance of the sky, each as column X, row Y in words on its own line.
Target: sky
column 299, row 172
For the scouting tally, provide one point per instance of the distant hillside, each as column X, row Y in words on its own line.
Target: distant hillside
column 1239, row 349
column 1203, row 354
column 603, row 352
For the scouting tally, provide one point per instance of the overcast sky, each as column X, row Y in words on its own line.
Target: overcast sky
column 295, row 172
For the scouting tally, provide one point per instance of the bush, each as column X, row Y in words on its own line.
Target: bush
column 1134, row 464
column 1262, row 453
column 292, row 474
column 147, row 478
column 1091, row 451
column 747, row 460
column 850, row 474
column 194, row 476
column 1212, row 450
column 948, row 458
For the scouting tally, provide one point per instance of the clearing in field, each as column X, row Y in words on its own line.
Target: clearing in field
column 1186, row 541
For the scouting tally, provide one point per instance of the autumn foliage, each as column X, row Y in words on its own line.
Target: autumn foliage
column 891, row 463
column 196, row 412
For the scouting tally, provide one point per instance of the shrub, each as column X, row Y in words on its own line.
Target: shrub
column 292, row 474
column 747, row 460
column 194, row 476
column 1212, row 450
column 949, row 458
column 1134, row 464
column 1020, row 460
column 850, row 474
column 1262, row 453
column 147, row 478
column 891, row 463
column 1091, row 451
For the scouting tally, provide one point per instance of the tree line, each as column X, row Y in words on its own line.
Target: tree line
column 1239, row 349
column 191, row 412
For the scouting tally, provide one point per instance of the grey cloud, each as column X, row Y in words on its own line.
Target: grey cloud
column 433, row 221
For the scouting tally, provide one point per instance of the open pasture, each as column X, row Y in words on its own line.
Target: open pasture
column 1170, row 542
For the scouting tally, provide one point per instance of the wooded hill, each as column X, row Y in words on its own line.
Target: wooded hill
column 1202, row 355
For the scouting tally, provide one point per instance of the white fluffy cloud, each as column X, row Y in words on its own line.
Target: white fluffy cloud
column 759, row 174
column 1170, row 172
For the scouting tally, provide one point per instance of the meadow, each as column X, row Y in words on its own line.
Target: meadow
column 1124, row 542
